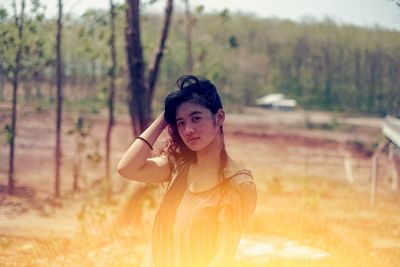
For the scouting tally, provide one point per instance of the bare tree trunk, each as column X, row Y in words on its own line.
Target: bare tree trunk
column 155, row 68
column 141, row 93
column 111, row 94
column 19, row 22
column 189, row 24
column 136, row 86
column 358, row 79
column 328, row 96
column 59, row 80
column 2, row 82
column 76, row 172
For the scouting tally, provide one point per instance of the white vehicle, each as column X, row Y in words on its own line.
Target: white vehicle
column 276, row 101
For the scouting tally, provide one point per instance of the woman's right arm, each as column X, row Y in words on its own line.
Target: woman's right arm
column 136, row 163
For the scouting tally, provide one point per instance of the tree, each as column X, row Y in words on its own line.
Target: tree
column 81, row 131
column 19, row 23
column 141, row 90
column 111, row 92
column 189, row 26
column 141, row 87
column 91, row 56
column 59, row 80
column 3, row 48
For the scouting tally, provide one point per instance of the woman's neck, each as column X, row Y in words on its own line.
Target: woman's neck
column 209, row 158
column 207, row 165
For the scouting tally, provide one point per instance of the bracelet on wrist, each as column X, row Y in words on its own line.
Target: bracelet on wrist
column 147, row 142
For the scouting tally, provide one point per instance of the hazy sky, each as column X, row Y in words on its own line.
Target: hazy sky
column 359, row 12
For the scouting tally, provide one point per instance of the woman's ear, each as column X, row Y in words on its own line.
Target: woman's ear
column 220, row 117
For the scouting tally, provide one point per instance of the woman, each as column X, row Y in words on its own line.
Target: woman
column 210, row 198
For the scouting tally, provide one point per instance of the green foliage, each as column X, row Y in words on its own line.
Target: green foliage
column 199, row 9
column 233, row 41
column 94, row 156
column 37, row 44
column 81, row 127
column 152, row 1
column 87, row 149
column 81, row 131
column 85, row 105
column 3, row 14
column 322, row 65
column 8, row 134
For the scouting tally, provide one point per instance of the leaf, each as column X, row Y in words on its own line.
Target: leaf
column 233, row 42
column 8, row 133
column 35, row 5
column 152, row 2
column 3, row 13
column 121, row 8
column 224, row 13
column 39, row 17
column 199, row 9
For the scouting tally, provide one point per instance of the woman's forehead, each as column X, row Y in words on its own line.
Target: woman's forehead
column 188, row 108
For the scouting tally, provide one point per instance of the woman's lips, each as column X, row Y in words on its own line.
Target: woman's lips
column 194, row 139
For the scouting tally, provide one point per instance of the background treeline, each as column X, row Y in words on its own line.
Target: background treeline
column 322, row 65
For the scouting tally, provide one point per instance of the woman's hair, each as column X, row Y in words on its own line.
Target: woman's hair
column 196, row 90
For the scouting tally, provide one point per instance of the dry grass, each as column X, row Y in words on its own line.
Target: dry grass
column 334, row 217
column 327, row 215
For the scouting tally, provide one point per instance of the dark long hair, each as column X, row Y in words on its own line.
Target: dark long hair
column 197, row 90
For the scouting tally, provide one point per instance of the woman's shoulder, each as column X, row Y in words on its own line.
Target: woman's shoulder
column 237, row 175
column 240, row 195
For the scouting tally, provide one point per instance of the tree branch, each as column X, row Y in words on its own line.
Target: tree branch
column 154, row 69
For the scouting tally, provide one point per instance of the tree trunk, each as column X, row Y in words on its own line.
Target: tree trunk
column 140, row 93
column 328, row 98
column 358, row 80
column 189, row 24
column 2, row 82
column 394, row 82
column 76, row 172
column 59, row 80
column 154, row 70
column 136, row 86
column 111, row 94
column 19, row 22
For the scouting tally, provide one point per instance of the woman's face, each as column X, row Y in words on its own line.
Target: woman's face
column 197, row 126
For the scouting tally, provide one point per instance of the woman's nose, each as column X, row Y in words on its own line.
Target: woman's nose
column 189, row 130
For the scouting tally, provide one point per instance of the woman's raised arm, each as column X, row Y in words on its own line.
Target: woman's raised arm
column 136, row 163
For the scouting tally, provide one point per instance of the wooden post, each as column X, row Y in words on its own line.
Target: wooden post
column 348, row 168
column 393, row 167
column 374, row 178
column 306, row 164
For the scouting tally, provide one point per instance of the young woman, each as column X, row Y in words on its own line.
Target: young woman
column 210, row 198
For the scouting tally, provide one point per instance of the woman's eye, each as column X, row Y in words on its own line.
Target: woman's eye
column 179, row 123
column 196, row 118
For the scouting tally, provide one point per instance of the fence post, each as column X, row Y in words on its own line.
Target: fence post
column 374, row 178
column 348, row 168
column 393, row 167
